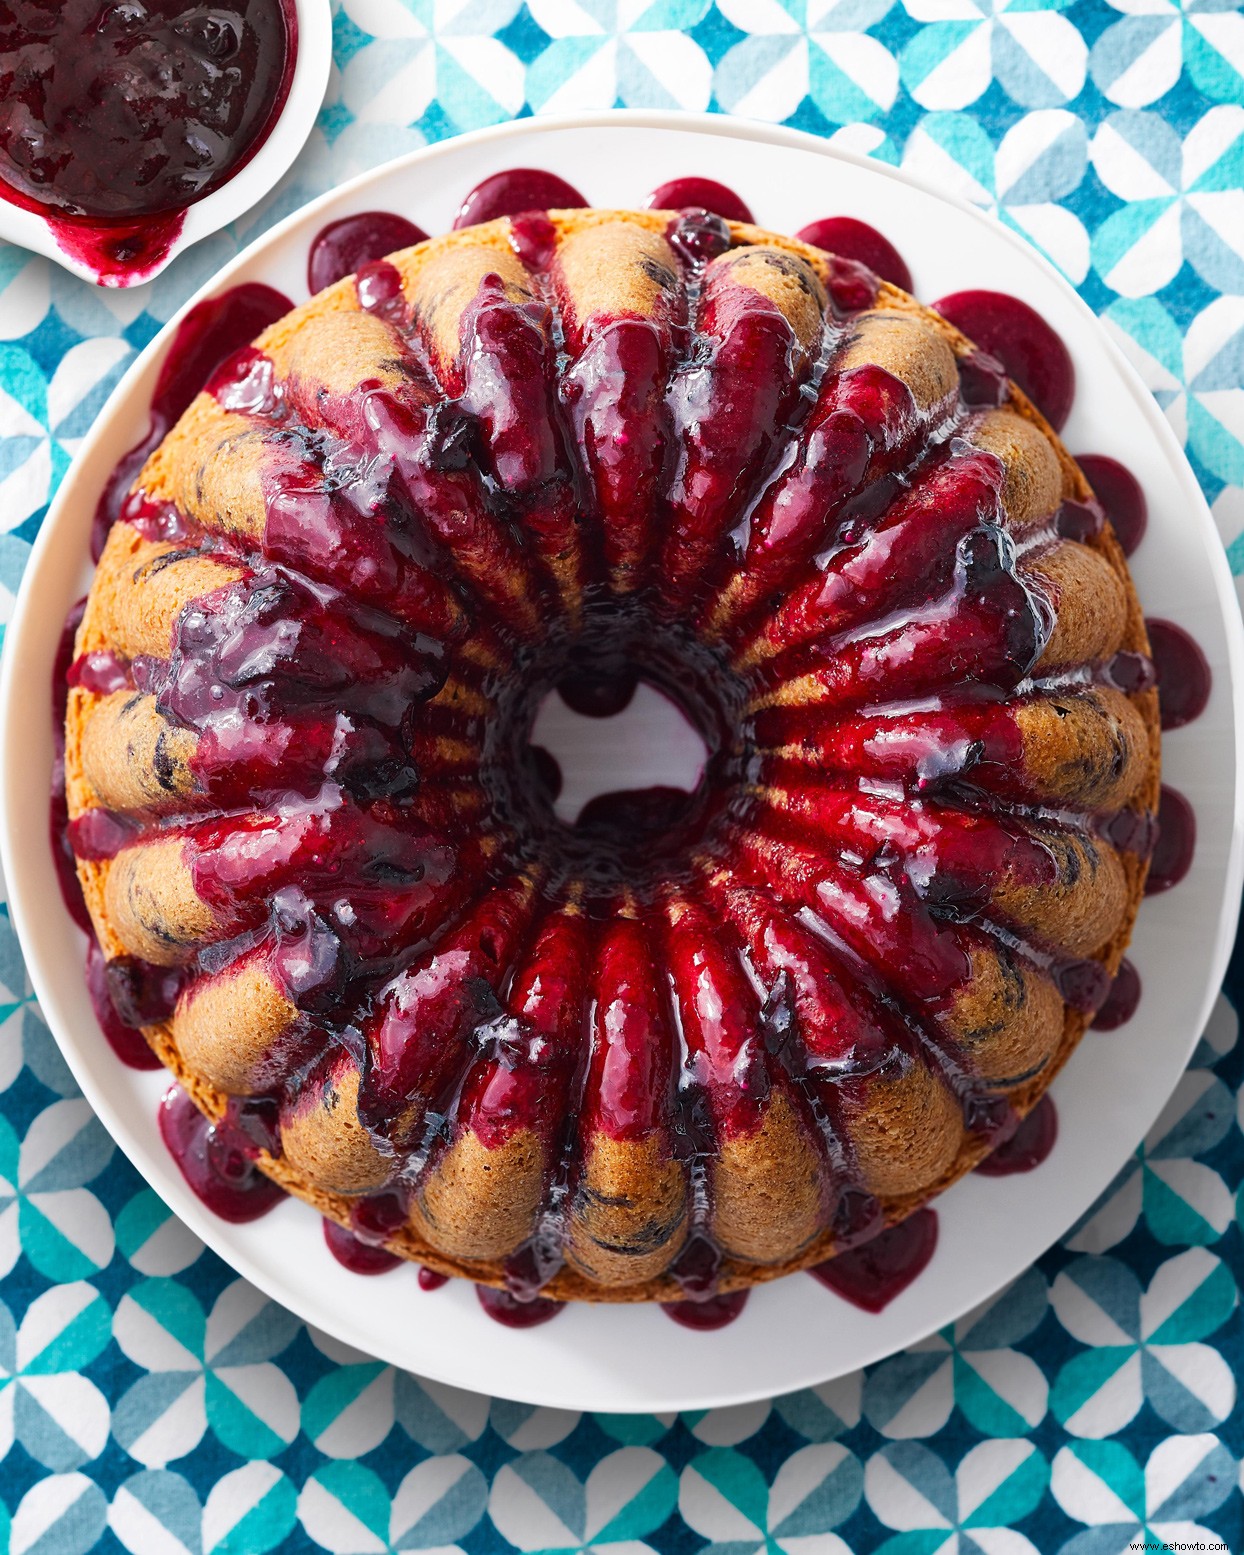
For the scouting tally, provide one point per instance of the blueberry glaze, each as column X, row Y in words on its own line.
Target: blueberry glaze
column 464, row 975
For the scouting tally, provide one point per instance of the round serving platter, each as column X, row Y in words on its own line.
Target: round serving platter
column 794, row 1332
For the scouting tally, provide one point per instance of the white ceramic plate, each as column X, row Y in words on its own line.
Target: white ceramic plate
column 794, row 1332
column 236, row 195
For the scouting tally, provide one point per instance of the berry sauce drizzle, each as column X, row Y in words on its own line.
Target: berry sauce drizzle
column 1032, row 353
column 358, row 1257
column 1120, row 494
column 514, row 191
column 127, row 1042
column 1184, row 677
column 1176, row 844
column 58, row 813
column 209, row 334
column 95, row 139
column 508, row 1310
column 1122, row 1000
column 344, row 246
column 430, row 1280
column 1028, row 1146
column 873, row 1274
column 705, row 194
column 857, row 240
column 704, row 1316
column 100, row 834
column 217, row 1161
column 379, row 288
column 534, row 238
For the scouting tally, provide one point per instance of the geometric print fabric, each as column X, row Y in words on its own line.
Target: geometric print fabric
column 151, row 1402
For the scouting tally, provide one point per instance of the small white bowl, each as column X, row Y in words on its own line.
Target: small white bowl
column 286, row 138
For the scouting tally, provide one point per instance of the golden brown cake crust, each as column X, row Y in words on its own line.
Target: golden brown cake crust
column 147, row 903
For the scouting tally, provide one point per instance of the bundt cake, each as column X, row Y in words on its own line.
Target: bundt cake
column 694, row 1040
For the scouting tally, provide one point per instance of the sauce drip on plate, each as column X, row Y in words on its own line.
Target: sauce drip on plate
column 872, row 1275
column 1028, row 1146
column 344, row 246
column 1121, row 1001
column 1032, row 353
column 509, row 1311
column 217, row 1160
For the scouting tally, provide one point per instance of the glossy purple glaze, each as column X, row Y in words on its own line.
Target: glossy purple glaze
column 1183, row 674
column 142, row 994
column 1032, row 353
column 1176, row 844
column 379, row 288
column 514, row 191
column 704, row 1316
column 127, row 1042
column 211, row 332
column 547, row 771
column 1122, row 1001
column 506, row 1309
column 359, row 1257
column 374, row 1219
column 1120, row 494
column 533, row 238
column 344, row 246
column 1079, row 521
column 872, row 1275
column 1130, row 672
column 1028, row 1146
column 101, row 834
column 681, row 194
column 118, row 253
column 217, row 1161
column 101, row 671
column 857, row 240
column 599, row 695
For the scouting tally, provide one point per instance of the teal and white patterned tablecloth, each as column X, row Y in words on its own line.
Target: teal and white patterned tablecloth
column 151, row 1402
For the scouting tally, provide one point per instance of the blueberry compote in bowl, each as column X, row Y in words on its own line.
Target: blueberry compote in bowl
column 133, row 128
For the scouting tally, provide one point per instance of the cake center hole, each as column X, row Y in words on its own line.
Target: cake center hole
column 593, row 740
